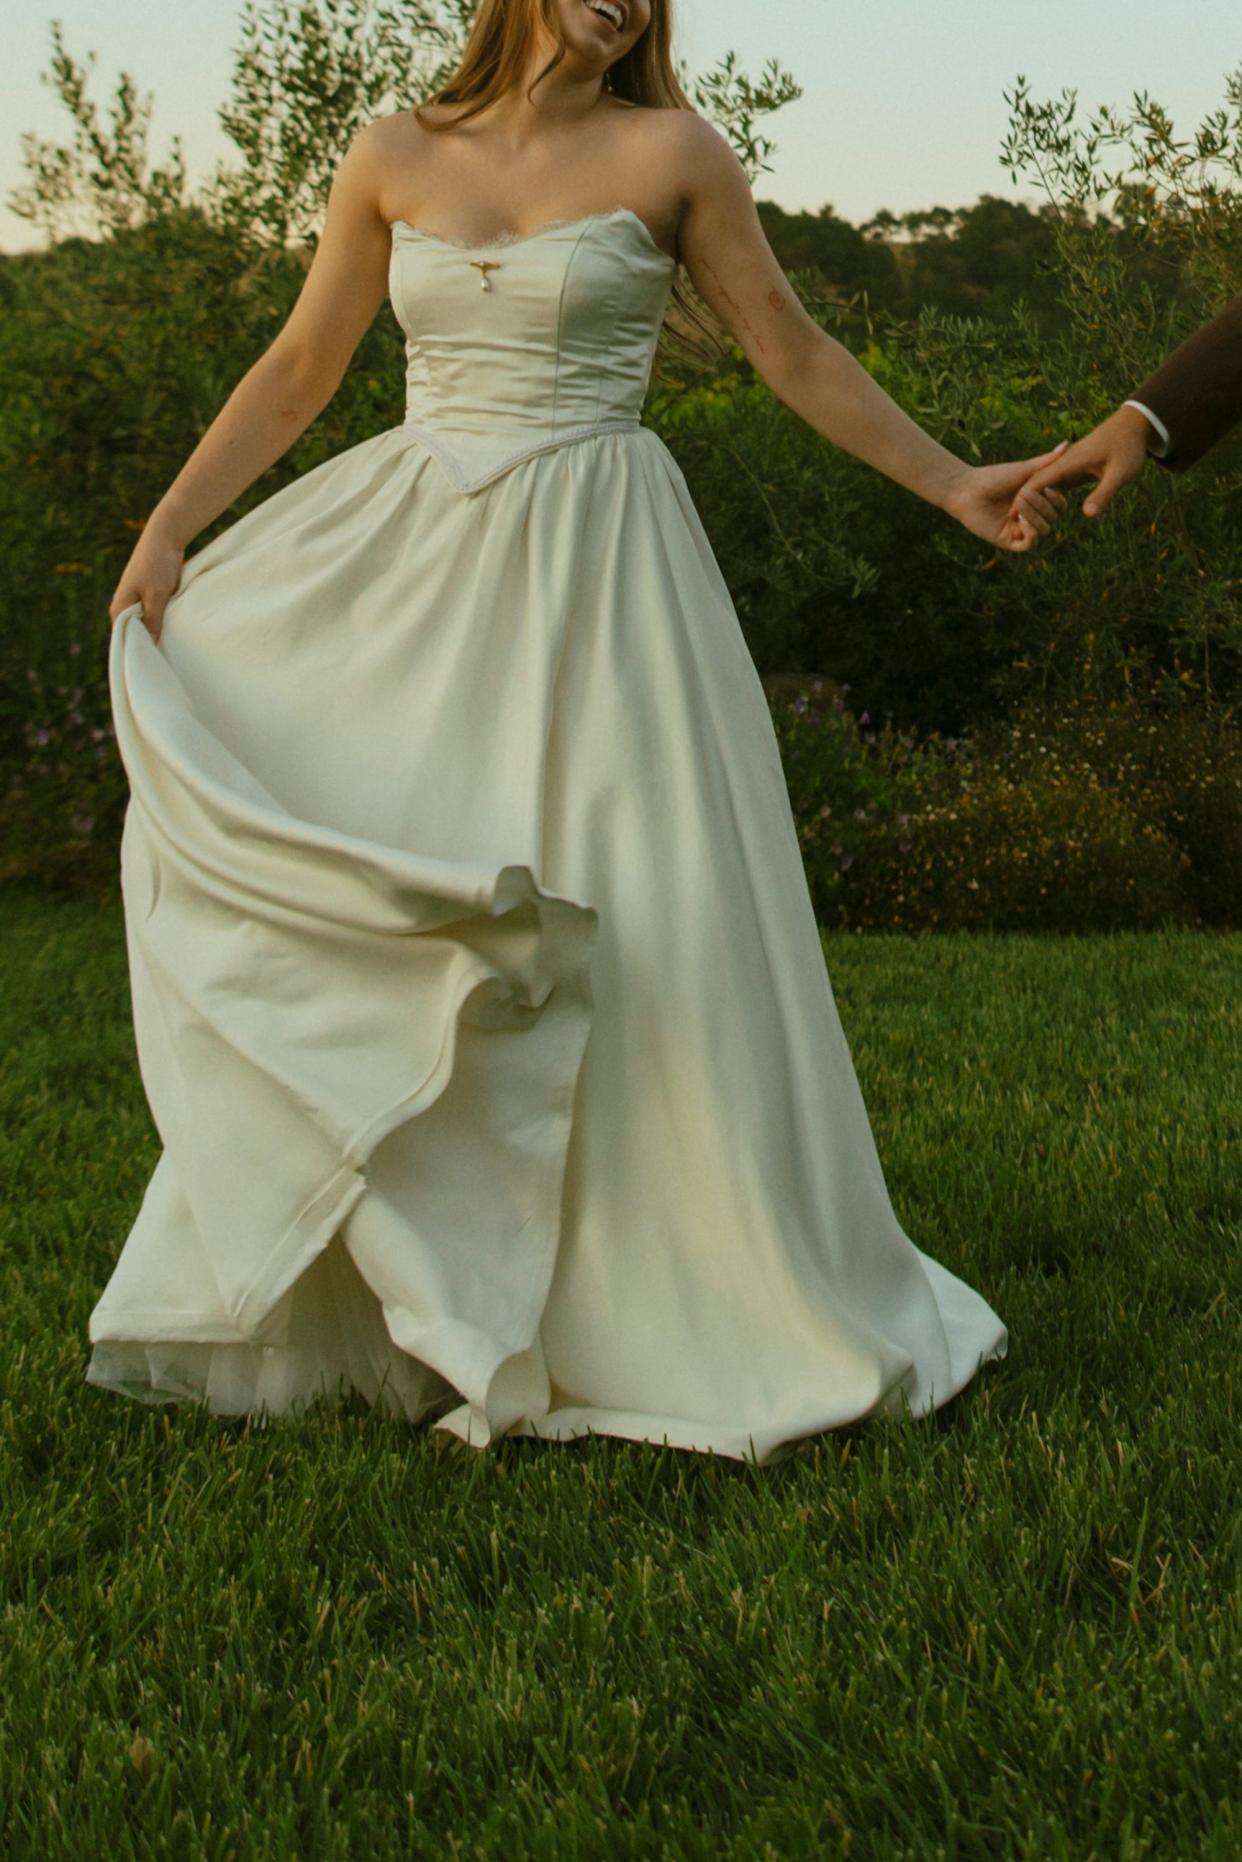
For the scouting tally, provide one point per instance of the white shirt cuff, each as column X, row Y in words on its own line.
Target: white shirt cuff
column 1159, row 431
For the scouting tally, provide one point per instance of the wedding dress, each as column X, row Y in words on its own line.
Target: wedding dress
column 478, row 997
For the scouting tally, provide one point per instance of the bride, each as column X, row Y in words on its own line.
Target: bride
column 478, row 997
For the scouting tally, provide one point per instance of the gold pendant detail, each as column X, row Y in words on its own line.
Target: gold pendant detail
column 485, row 266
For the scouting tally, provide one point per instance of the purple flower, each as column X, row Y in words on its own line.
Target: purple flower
column 865, row 718
column 847, row 860
column 40, row 736
column 82, row 824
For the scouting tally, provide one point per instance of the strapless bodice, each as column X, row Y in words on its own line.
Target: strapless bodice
column 521, row 344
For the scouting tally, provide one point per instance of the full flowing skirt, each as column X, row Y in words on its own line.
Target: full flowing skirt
column 478, row 995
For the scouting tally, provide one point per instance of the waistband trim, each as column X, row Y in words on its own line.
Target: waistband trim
column 459, row 474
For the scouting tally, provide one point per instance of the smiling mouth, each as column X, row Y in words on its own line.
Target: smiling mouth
column 603, row 9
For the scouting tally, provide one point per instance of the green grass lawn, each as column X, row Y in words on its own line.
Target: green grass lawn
column 1009, row 1629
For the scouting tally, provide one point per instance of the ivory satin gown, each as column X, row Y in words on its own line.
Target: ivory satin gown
column 478, row 996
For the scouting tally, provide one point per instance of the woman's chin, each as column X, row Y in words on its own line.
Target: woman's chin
column 596, row 31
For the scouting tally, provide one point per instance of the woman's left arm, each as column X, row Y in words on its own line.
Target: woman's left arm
column 724, row 249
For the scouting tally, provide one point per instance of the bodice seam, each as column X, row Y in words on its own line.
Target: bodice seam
column 452, row 465
column 566, row 269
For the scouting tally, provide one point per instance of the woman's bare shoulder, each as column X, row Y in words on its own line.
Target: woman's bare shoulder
column 396, row 145
column 400, row 128
column 657, row 119
column 683, row 147
column 702, row 155
column 664, row 133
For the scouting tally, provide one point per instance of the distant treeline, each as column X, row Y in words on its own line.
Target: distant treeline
column 978, row 261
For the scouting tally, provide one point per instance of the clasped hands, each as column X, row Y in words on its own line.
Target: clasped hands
column 1014, row 506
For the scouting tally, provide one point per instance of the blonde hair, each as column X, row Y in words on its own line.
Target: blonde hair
column 494, row 59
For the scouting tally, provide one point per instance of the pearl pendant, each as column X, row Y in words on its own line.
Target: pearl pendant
column 484, row 266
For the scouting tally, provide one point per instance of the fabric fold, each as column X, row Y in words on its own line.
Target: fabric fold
column 303, row 1000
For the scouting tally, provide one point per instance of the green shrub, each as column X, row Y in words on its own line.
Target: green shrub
column 1053, row 852
column 1177, row 768
column 836, row 570
column 62, row 785
column 1096, row 817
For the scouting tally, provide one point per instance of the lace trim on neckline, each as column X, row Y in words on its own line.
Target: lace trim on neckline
column 507, row 238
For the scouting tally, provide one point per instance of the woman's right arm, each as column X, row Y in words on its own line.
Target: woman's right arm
column 285, row 390
column 730, row 261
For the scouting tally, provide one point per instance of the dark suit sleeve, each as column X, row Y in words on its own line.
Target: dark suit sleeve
column 1197, row 391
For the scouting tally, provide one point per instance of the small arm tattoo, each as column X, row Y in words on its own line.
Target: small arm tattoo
column 745, row 321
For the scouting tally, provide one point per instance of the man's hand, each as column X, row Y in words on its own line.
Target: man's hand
column 984, row 500
column 1113, row 455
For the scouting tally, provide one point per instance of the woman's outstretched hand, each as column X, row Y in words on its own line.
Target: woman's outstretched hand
column 982, row 499
column 151, row 577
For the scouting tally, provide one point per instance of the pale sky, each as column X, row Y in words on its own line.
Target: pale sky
column 902, row 103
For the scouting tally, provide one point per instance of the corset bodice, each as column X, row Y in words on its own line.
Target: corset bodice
column 552, row 342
